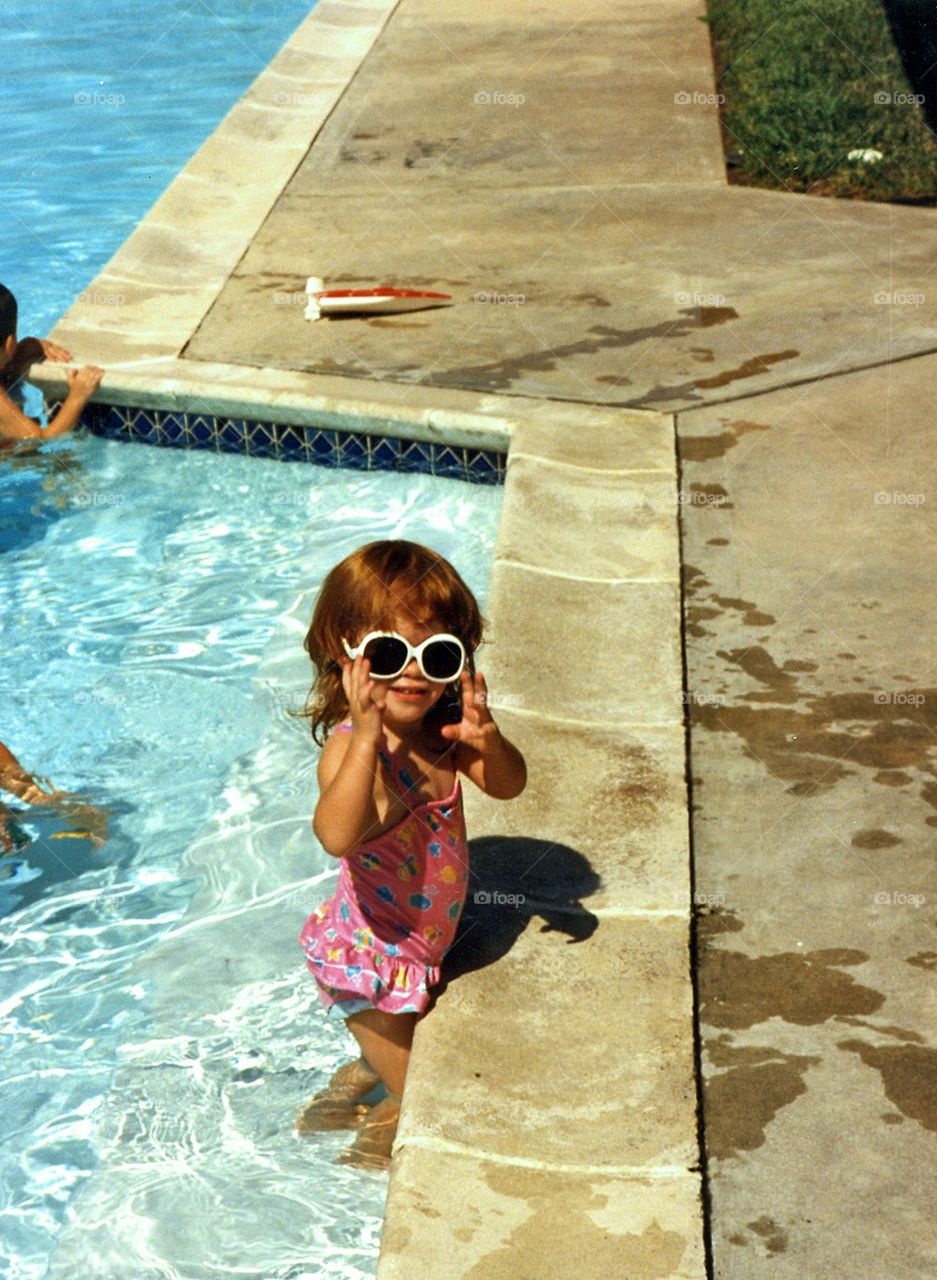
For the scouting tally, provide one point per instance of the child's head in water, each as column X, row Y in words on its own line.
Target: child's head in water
column 388, row 586
column 7, row 317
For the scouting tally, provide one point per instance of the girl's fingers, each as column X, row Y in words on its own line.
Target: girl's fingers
column 480, row 698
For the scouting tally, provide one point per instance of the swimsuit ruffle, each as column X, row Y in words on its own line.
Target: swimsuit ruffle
column 391, row 984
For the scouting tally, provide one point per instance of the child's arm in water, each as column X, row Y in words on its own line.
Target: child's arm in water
column 482, row 752
column 82, row 384
column 348, row 769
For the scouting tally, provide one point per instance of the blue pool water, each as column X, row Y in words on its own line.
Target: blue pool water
column 102, row 103
column 159, row 1031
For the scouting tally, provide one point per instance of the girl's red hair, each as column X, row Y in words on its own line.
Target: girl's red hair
column 364, row 593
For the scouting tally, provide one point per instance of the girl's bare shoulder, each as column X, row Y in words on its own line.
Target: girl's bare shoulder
column 331, row 757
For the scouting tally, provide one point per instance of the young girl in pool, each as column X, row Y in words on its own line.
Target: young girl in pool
column 392, row 640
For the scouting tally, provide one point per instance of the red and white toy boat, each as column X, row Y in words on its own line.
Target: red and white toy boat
column 382, row 299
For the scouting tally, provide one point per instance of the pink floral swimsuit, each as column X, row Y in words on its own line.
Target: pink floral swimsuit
column 394, row 913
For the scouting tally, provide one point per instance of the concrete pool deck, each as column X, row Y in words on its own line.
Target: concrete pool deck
column 559, row 172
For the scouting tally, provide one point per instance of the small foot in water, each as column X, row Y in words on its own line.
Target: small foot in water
column 338, row 1106
column 372, row 1146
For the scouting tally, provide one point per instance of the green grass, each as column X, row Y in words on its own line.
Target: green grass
column 800, row 83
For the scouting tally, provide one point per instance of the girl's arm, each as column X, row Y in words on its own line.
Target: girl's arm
column 346, row 808
column 482, row 753
column 499, row 770
column 348, row 767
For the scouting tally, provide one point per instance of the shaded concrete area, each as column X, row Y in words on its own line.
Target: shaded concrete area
column 809, row 532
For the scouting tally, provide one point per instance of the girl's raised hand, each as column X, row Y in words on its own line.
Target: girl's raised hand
column 364, row 704
column 476, row 729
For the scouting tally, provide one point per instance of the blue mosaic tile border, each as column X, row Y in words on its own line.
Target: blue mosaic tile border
column 321, row 446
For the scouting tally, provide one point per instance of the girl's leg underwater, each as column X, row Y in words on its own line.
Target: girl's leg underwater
column 337, row 1106
column 385, row 1040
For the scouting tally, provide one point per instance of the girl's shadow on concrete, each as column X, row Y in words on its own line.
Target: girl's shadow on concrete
column 511, row 879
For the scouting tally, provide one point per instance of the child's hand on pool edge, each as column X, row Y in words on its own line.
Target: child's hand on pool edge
column 52, row 351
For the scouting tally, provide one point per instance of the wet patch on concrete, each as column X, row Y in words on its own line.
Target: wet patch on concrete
column 808, row 747
column 651, row 1254
column 752, row 616
column 662, row 394
column 361, row 155
column 929, row 794
column 592, row 299
column 755, row 661
column 772, row 1236
column 892, row 778
column 740, row 1103
column 706, row 448
column 804, row 988
column 500, row 375
column 346, row 368
column 422, row 150
column 875, row 838
column 709, row 316
column 909, row 1077
column 898, row 1033
column 694, row 581
column 749, row 369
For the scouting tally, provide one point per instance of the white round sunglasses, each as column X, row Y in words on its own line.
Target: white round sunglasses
column 440, row 657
